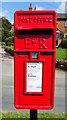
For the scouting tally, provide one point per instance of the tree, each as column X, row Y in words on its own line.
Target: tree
column 5, row 27
column 9, row 40
column 35, row 8
column 5, row 34
column 0, row 34
column 6, row 24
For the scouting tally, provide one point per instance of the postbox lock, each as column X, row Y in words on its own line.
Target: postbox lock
column 34, row 55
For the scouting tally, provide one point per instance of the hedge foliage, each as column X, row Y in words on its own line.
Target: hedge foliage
column 64, row 43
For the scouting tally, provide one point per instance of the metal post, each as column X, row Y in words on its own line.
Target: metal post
column 33, row 114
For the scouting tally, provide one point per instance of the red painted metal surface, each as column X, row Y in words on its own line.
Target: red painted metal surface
column 35, row 31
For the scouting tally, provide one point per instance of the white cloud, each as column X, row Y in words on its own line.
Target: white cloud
column 61, row 8
column 39, row 8
column 0, row 14
column 66, row 6
column 12, row 22
column 3, row 13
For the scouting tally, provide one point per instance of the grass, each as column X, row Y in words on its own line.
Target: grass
column 50, row 115
column 61, row 53
column 26, row 115
column 15, row 115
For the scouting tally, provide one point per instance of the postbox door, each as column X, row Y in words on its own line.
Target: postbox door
column 40, row 99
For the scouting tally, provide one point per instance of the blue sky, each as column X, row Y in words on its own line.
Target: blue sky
column 8, row 8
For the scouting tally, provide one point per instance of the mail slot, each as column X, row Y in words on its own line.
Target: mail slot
column 34, row 59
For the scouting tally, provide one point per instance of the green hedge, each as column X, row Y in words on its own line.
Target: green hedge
column 2, row 43
column 61, row 53
column 64, row 43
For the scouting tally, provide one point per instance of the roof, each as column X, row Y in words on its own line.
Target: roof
column 62, row 15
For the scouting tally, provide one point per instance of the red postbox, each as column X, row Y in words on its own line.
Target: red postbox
column 34, row 59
